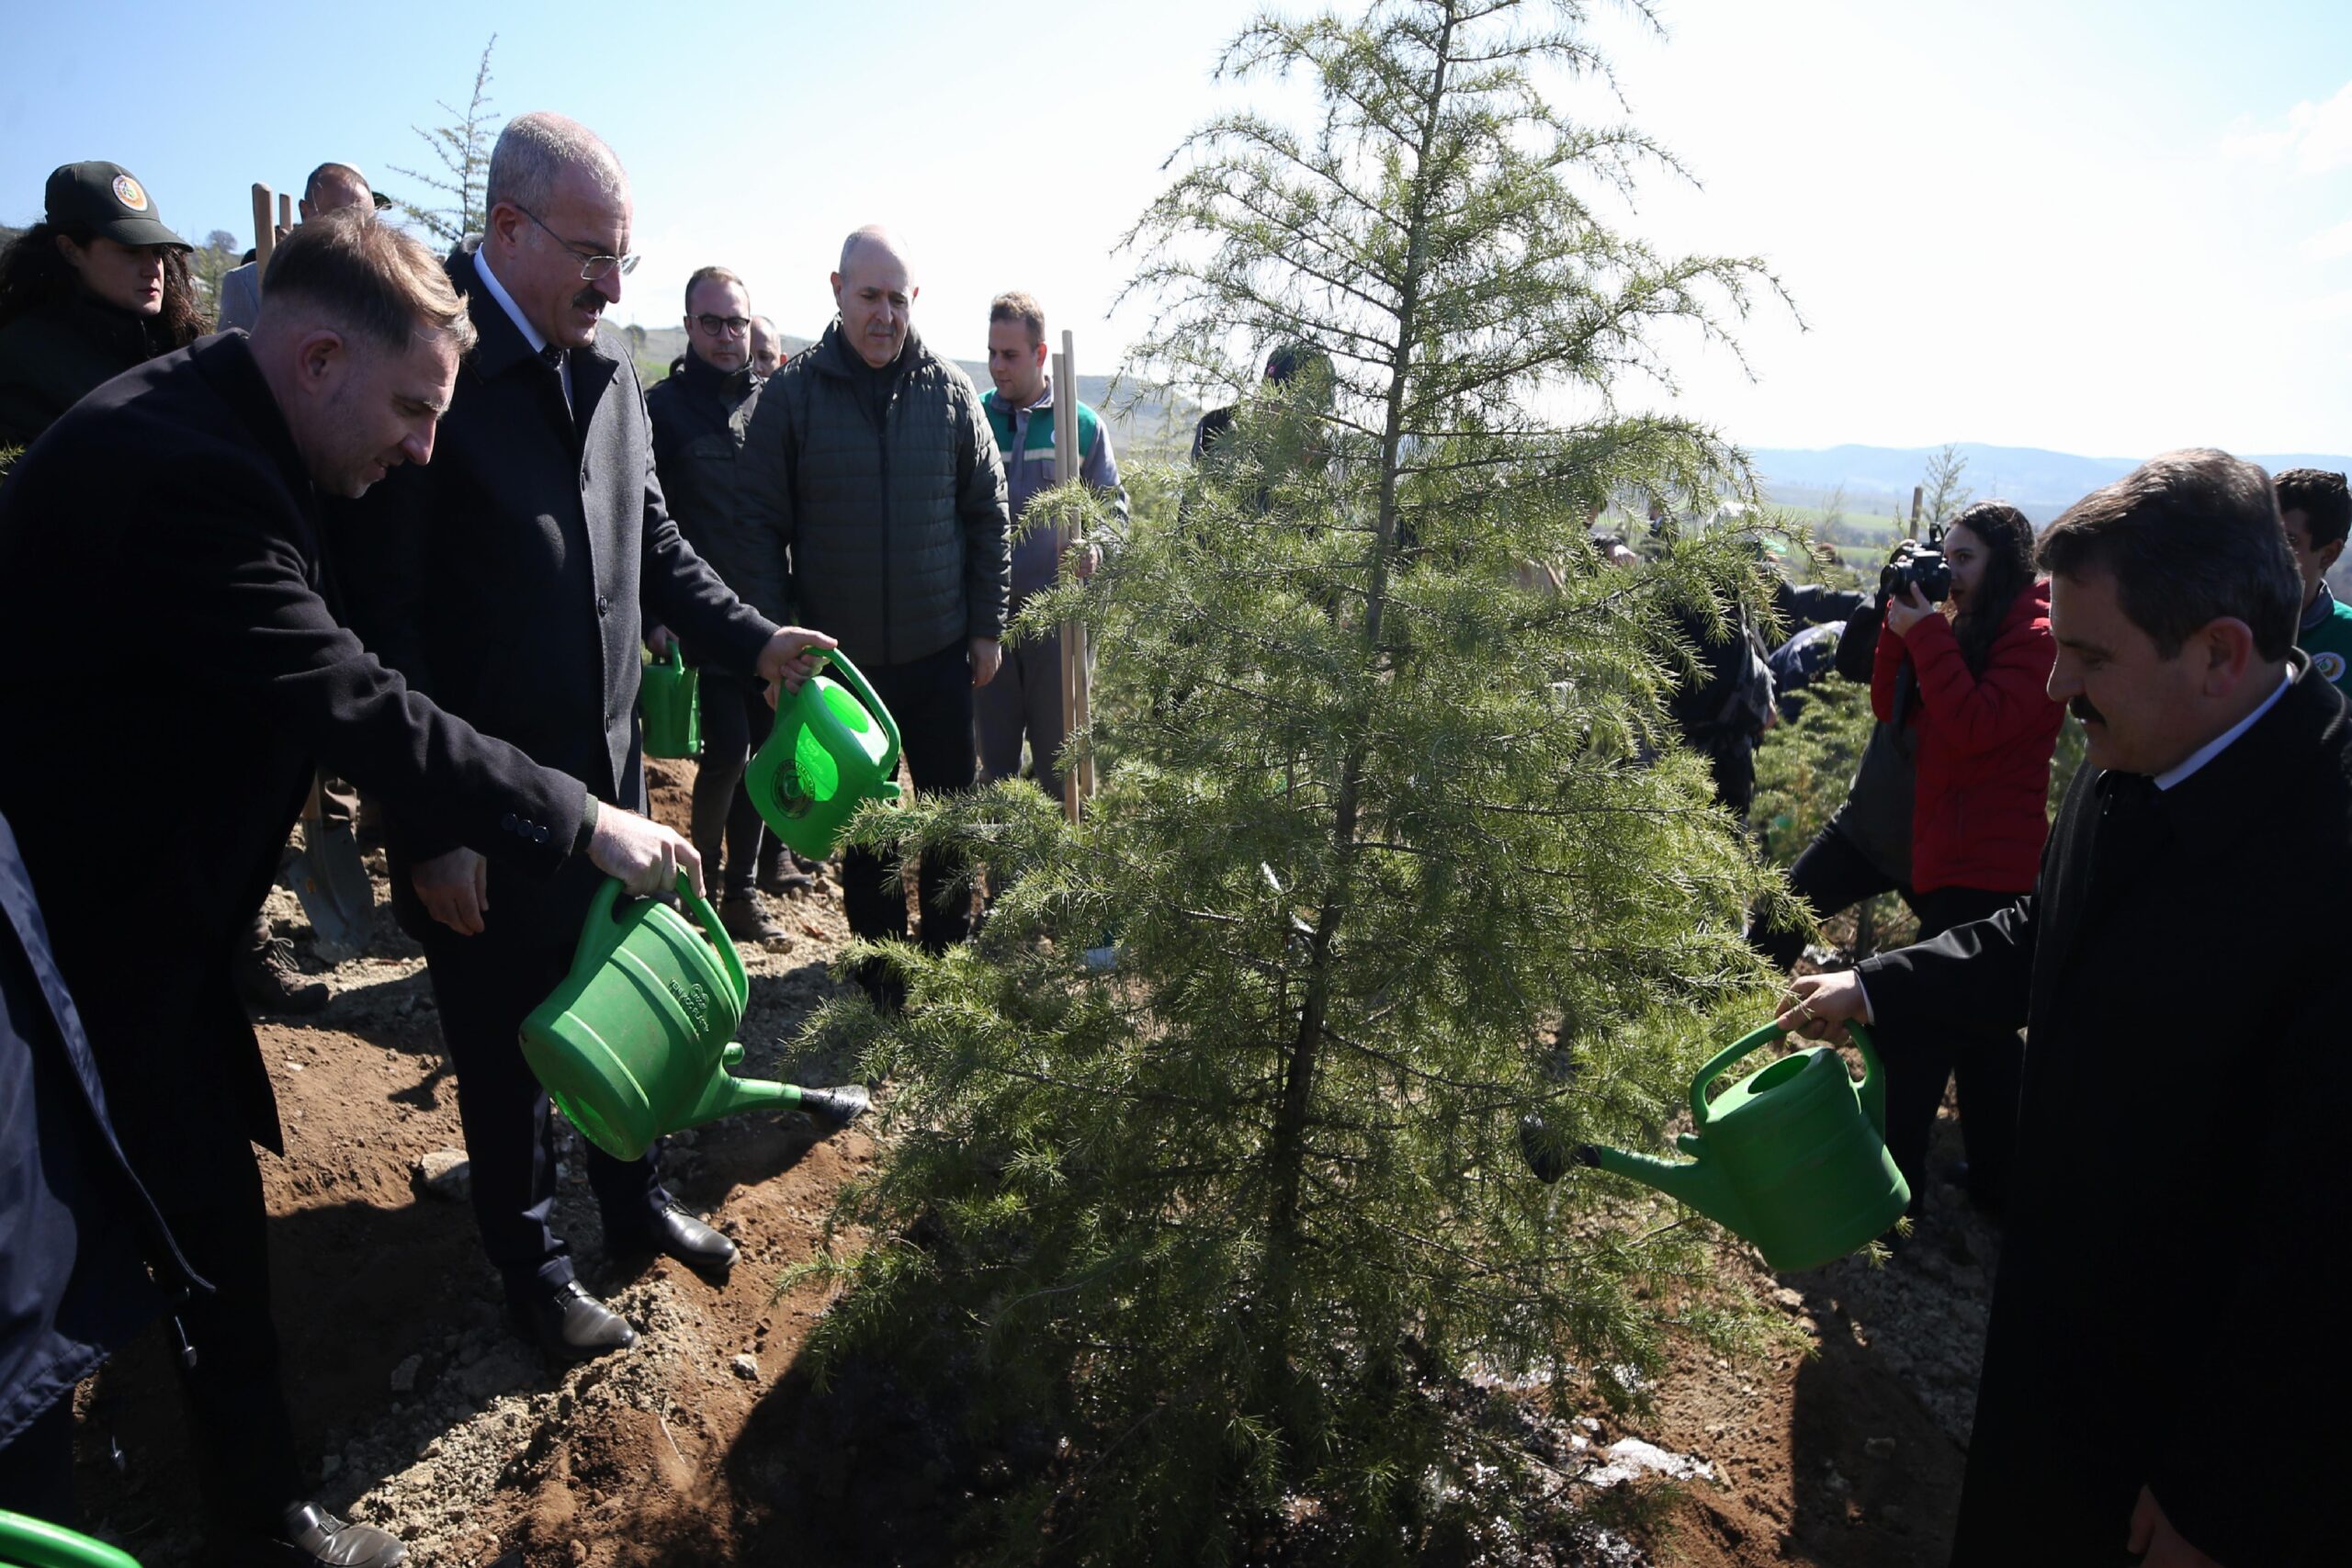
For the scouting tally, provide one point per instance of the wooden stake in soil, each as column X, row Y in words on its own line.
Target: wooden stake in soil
column 265, row 238
column 1078, row 681
column 285, row 210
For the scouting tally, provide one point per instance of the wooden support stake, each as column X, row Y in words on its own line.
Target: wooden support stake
column 265, row 238
column 1918, row 493
column 285, row 210
column 1065, row 470
column 1085, row 658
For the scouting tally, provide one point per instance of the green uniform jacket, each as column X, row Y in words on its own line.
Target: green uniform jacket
column 2330, row 644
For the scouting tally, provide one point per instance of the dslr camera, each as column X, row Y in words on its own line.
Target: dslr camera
column 1915, row 565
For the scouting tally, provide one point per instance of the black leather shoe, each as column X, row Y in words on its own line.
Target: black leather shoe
column 573, row 1325
column 677, row 1235
column 313, row 1536
column 840, row 1105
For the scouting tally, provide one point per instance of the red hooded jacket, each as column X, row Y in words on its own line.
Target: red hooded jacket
column 1981, row 811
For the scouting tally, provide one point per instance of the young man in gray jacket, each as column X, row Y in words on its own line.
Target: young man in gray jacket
column 870, row 458
column 1025, row 699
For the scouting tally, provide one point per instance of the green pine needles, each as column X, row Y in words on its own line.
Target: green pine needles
column 1394, row 848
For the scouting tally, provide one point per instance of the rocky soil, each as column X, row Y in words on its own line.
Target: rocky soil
column 418, row 1411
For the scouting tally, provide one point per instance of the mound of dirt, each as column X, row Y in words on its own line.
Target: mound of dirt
column 419, row 1411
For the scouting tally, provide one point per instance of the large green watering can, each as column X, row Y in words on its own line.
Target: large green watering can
column 637, row 1040
column 669, row 699
column 37, row 1543
column 1793, row 1158
column 834, row 747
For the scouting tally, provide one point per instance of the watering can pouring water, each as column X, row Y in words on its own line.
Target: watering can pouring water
column 1793, row 1158
column 637, row 1040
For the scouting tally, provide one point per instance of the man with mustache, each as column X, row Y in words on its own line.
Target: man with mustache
column 511, row 581
column 869, row 459
column 2158, row 1375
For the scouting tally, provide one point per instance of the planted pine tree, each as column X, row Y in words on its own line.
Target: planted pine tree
column 1393, row 849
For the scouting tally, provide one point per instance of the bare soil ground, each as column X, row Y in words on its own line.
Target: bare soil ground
column 417, row 1410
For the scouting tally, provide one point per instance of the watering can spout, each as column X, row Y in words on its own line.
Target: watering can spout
column 726, row 1094
column 1698, row 1183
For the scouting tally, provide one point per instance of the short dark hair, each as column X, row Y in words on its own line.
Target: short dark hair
column 713, row 275
column 370, row 277
column 2191, row 538
column 1019, row 307
column 2321, row 497
column 343, row 173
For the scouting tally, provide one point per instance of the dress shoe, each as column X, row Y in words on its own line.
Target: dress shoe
column 313, row 1536
column 267, row 978
column 840, row 1105
column 678, row 1235
column 746, row 922
column 573, row 1325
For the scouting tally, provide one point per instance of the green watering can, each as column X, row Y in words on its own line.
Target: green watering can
column 1793, row 1158
column 669, row 699
column 834, row 747
column 637, row 1040
column 35, row 1543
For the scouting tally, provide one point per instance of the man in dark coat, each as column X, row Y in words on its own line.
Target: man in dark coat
column 700, row 414
column 76, row 1222
column 870, row 456
column 181, row 500
column 2161, row 1373
column 508, row 581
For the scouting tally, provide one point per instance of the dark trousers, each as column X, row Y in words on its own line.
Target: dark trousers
column 1921, row 1058
column 1024, row 701
column 1733, row 762
column 931, row 698
column 735, row 718
column 1832, row 875
column 244, row 1440
column 485, row 986
column 37, row 1467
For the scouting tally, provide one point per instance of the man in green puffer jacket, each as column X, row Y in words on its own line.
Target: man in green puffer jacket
column 869, row 457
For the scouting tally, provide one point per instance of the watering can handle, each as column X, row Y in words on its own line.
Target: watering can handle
column 600, row 921
column 700, row 905
column 856, row 683
column 1873, row 1082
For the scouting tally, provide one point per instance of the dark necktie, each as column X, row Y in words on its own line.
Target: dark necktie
column 552, row 357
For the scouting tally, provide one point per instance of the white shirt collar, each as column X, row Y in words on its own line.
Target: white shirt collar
column 531, row 335
column 2221, row 743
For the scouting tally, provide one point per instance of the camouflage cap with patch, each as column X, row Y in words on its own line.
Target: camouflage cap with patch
column 104, row 198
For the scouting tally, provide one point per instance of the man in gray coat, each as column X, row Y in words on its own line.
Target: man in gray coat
column 870, row 459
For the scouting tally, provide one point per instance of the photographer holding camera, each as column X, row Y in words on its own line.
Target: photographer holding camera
column 1971, row 689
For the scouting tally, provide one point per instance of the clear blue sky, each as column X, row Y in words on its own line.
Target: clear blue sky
column 2104, row 227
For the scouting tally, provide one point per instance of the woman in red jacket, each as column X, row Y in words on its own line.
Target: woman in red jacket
column 1975, row 688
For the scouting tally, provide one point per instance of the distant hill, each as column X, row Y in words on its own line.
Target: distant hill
column 1151, row 428
column 2040, row 483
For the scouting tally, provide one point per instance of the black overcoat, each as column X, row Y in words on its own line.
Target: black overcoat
column 510, row 578
column 2162, row 1316
column 177, row 672
column 75, row 1223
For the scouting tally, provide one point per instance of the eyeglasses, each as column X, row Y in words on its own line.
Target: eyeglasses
column 591, row 267
column 734, row 326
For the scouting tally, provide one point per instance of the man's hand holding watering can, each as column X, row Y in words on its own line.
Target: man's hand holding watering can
column 1818, row 1003
column 790, row 658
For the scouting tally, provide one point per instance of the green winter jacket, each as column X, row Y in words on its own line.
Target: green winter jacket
column 899, row 533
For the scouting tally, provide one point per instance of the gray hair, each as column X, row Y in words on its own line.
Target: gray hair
column 532, row 153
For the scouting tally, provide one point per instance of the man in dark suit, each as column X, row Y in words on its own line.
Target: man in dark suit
column 165, row 538
column 511, row 581
column 2161, row 1374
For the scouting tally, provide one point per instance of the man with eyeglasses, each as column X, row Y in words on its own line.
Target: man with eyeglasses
column 699, row 416
column 511, row 581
